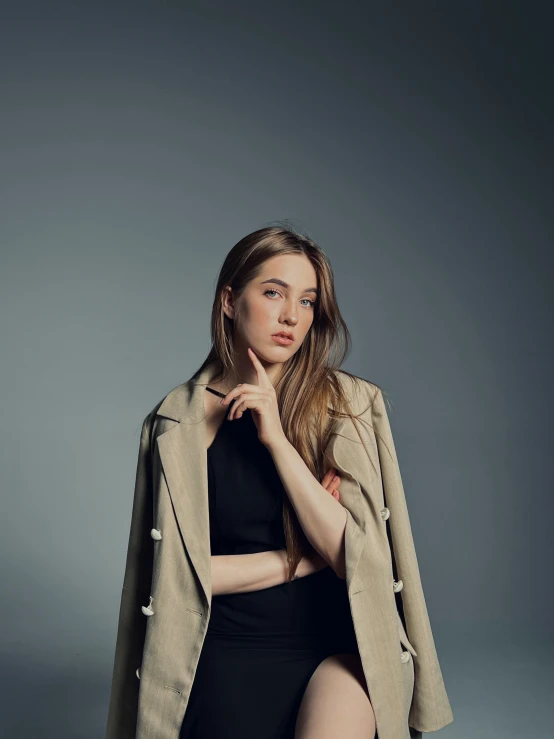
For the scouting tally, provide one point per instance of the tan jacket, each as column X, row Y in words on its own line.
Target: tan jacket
column 166, row 593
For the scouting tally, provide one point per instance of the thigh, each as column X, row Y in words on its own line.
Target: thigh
column 336, row 702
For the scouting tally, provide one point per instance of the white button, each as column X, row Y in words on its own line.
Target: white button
column 147, row 610
column 138, row 672
column 156, row 534
column 397, row 586
column 405, row 656
column 385, row 513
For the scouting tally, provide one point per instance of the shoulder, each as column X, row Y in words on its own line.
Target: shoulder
column 166, row 407
column 360, row 393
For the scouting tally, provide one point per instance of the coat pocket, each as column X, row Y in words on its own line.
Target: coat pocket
column 404, row 637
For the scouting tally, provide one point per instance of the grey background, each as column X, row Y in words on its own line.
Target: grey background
column 413, row 141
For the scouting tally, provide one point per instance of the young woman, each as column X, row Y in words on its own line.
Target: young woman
column 268, row 596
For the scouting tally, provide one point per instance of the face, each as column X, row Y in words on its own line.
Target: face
column 280, row 298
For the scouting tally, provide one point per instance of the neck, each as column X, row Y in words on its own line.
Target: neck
column 245, row 373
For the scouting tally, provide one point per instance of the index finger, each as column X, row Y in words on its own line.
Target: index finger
column 263, row 379
column 328, row 476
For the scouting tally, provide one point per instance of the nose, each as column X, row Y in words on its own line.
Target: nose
column 290, row 316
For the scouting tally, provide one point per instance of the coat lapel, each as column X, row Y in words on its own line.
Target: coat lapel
column 183, row 456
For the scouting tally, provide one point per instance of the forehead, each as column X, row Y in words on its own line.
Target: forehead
column 296, row 269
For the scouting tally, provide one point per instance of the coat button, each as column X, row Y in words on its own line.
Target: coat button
column 156, row 534
column 385, row 513
column 147, row 610
column 404, row 657
column 397, row 586
column 138, row 672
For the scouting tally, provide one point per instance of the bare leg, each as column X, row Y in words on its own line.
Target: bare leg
column 336, row 702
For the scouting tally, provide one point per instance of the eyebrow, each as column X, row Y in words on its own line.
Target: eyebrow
column 277, row 281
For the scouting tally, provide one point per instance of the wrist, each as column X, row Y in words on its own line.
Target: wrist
column 277, row 443
column 300, row 568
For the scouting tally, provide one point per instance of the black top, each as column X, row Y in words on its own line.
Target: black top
column 246, row 492
column 245, row 504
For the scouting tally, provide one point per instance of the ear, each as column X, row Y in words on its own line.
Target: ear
column 227, row 302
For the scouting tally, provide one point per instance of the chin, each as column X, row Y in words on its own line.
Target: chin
column 274, row 355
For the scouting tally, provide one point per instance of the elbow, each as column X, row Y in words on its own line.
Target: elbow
column 340, row 568
column 335, row 560
column 338, row 562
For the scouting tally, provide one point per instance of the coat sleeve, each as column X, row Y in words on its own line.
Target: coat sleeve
column 430, row 708
column 123, row 704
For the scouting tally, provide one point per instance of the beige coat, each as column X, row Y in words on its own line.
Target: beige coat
column 166, row 593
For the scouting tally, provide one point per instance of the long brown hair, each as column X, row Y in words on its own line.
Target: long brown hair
column 306, row 408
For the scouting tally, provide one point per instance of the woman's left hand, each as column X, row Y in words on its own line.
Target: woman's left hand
column 262, row 400
column 331, row 482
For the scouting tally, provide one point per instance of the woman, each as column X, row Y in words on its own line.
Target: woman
column 259, row 600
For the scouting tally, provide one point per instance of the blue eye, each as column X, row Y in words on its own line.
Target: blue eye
column 271, row 290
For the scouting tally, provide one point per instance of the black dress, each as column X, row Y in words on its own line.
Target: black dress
column 261, row 647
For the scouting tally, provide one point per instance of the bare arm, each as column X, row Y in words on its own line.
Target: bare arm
column 321, row 516
column 242, row 573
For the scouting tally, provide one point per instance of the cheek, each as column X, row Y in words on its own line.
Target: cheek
column 306, row 324
column 259, row 315
column 266, row 311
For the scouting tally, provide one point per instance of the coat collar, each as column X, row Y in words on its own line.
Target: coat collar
column 183, row 455
column 185, row 403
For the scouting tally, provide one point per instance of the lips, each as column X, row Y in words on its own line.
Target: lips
column 286, row 334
